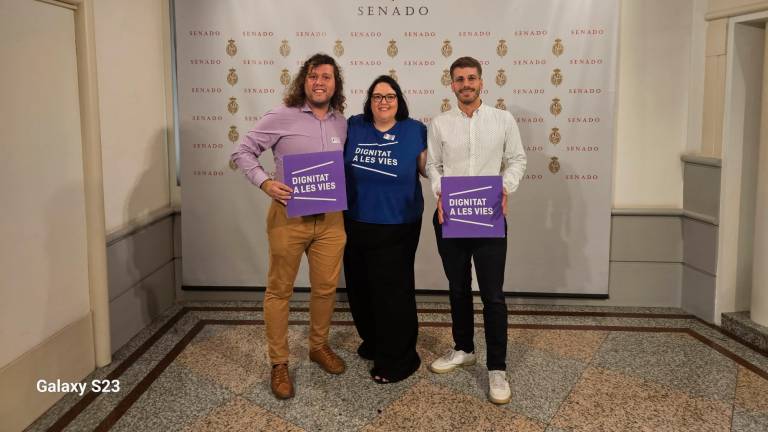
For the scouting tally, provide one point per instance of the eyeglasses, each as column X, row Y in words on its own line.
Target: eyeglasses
column 377, row 98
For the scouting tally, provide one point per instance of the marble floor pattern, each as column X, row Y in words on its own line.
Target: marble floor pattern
column 204, row 367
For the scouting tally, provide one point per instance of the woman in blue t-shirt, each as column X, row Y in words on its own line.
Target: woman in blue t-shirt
column 384, row 155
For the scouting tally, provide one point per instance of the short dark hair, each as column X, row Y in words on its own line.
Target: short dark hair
column 402, row 106
column 295, row 95
column 465, row 62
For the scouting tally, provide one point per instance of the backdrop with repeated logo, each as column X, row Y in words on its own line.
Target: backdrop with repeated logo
column 552, row 63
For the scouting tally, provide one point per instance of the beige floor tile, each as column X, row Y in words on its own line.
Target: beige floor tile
column 433, row 342
column 240, row 415
column 752, row 391
column 604, row 400
column 237, row 357
column 578, row 345
column 428, row 407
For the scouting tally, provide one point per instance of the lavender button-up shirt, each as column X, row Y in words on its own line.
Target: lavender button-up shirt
column 286, row 131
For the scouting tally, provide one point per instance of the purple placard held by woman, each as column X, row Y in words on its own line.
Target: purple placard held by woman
column 472, row 207
column 317, row 180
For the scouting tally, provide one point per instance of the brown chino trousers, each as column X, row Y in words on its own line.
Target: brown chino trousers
column 322, row 238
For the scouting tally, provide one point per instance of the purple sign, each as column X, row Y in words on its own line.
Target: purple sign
column 317, row 180
column 472, row 207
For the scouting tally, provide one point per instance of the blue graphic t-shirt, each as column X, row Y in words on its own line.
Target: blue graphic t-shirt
column 382, row 171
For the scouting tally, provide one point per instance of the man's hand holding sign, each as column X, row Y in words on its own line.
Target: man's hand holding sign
column 315, row 183
column 472, row 207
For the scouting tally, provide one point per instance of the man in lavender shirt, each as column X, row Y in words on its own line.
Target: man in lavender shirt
column 311, row 120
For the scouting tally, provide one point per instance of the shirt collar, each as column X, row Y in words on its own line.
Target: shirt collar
column 331, row 111
column 461, row 114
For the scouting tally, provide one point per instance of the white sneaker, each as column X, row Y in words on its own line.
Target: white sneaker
column 498, row 392
column 451, row 360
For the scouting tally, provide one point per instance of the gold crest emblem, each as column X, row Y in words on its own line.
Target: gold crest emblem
column 285, row 77
column 500, row 104
column 232, row 165
column 501, row 48
column 338, row 49
column 446, row 78
column 557, row 78
column 558, row 48
column 285, row 49
column 231, row 48
column 554, row 136
column 232, row 106
column 392, row 48
column 393, row 74
column 554, row 165
column 232, row 77
column 501, row 77
column 446, row 106
column 555, row 108
column 233, row 134
column 447, row 49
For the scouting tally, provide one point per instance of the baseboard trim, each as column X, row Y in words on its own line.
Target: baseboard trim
column 698, row 159
column 647, row 211
column 712, row 220
column 68, row 356
column 209, row 288
column 704, row 272
column 138, row 224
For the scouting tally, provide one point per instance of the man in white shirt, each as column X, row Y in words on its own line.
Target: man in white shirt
column 475, row 139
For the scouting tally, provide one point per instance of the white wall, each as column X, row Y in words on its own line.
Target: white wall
column 661, row 42
column 131, row 48
column 45, row 319
column 43, row 256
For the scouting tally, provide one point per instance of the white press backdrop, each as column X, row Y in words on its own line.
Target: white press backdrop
column 552, row 63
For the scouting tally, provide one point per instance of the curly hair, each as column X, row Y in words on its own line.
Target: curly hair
column 295, row 96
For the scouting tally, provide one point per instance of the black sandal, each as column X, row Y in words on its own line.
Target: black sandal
column 379, row 379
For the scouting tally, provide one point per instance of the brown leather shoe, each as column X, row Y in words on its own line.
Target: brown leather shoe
column 328, row 360
column 282, row 387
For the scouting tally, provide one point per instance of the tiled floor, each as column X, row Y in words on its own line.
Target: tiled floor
column 203, row 367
